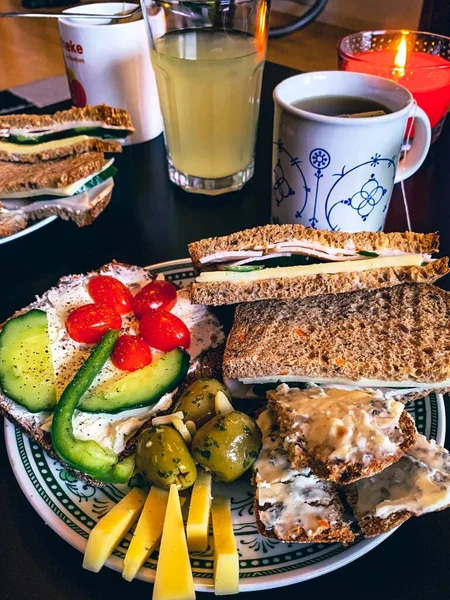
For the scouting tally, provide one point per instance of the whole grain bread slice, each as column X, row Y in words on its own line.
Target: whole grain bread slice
column 221, row 293
column 267, row 235
column 294, row 506
column 419, row 483
column 12, row 222
column 360, row 413
column 108, row 115
column 69, row 149
column 50, row 174
column 398, row 334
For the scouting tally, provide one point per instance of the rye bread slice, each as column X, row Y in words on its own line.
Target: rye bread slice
column 108, row 115
column 266, row 235
column 386, row 500
column 49, row 174
column 207, row 364
column 394, row 334
column 69, row 149
column 294, row 506
column 221, row 293
column 363, row 424
column 12, row 222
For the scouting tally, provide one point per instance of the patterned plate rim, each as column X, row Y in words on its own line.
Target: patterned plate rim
column 29, row 229
column 298, row 575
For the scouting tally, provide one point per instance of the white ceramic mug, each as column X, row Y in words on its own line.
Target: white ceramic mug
column 338, row 173
column 109, row 63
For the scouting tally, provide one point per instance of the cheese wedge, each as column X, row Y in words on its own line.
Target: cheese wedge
column 199, row 511
column 173, row 579
column 226, row 558
column 111, row 528
column 147, row 533
column 405, row 260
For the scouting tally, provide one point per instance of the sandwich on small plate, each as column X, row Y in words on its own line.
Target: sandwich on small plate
column 396, row 338
column 43, row 346
column 56, row 164
column 290, row 261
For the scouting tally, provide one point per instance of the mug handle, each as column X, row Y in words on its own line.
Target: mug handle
column 419, row 148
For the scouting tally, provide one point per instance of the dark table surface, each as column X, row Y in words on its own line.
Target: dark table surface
column 149, row 220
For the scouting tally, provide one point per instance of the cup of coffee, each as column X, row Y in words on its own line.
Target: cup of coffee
column 108, row 62
column 336, row 148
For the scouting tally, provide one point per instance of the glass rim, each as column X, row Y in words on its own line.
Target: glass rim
column 344, row 54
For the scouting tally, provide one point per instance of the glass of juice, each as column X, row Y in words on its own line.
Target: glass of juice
column 208, row 60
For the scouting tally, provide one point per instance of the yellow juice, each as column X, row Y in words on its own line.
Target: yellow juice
column 209, row 83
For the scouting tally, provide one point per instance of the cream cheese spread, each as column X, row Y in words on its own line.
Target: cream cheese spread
column 418, row 483
column 335, row 425
column 111, row 430
column 291, row 503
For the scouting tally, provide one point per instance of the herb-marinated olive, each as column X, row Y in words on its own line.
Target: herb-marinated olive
column 197, row 401
column 227, row 445
column 163, row 458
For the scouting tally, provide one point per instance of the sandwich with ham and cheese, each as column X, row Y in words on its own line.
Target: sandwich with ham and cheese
column 284, row 262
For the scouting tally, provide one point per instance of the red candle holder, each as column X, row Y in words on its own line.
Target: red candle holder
column 419, row 61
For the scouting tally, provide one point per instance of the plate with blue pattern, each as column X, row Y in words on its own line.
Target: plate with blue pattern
column 72, row 508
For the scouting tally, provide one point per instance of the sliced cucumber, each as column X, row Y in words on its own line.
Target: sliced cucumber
column 242, row 268
column 99, row 132
column 26, row 370
column 100, row 178
column 368, row 254
column 141, row 388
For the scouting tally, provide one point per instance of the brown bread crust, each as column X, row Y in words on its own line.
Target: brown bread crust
column 220, row 293
column 272, row 234
column 89, row 145
column 392, row 334
column 11, row 223
column 51, row 174
column 111, row 116
column 302, row 456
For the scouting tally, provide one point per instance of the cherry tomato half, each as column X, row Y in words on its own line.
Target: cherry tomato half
column 89, row 323
column 131, row 353
column 164, row 331
column 108, row 290
column 155, row 295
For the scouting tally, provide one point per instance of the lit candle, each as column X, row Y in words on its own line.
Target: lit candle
column 414, row 61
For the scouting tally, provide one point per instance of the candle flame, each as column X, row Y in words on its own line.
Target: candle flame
column 400, row 57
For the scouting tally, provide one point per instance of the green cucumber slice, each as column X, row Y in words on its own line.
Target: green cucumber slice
column 368, row 254
column 242, row 268
column 99, row 132
column 140, row 388
column 26, row 370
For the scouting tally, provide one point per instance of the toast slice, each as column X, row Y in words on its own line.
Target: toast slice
column 11, row 223
column 23, row 153
column 395, row 337
column 50, row 174
column 342, row 436
column 419, row 483
column 330, row 244
column 88, row 116
column 294, row 506
column 116, row 431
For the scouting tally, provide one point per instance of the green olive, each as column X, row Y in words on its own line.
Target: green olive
column 198, row 400
column 163, row 458
column 227, row 445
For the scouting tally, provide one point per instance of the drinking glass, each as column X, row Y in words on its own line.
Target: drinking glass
column 209, row 63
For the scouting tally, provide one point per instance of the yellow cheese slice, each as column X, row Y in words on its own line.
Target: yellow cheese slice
column 199, row 511
column 173, row 579
column 147, row 534
column 111, row 528
column 226, row 558
column 24, row 149
column 405, row 260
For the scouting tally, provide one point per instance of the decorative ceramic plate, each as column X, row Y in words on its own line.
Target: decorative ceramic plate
column 72, row 508
column 29, row 229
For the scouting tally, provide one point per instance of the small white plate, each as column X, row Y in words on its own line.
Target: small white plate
column 72, row 507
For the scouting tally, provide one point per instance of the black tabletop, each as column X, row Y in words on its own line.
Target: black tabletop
column 149, row 220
